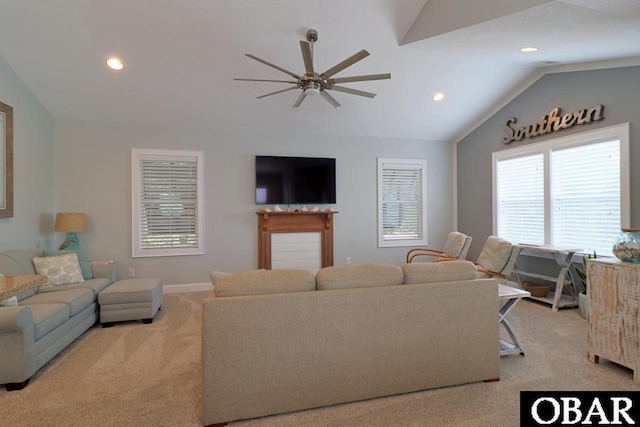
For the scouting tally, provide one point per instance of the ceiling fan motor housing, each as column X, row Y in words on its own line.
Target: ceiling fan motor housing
column 312, row 36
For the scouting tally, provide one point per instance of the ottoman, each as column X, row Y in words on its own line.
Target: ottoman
column 130, row 299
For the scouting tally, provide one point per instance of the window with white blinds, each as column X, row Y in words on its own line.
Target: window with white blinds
column 401, row 202
column 567, row 192
column 521, row 198
column 167, row 203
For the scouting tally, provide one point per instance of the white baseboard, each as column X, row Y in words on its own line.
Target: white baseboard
column 187, row 287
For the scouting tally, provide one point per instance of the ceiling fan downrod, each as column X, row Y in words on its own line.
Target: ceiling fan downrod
column 311, row 84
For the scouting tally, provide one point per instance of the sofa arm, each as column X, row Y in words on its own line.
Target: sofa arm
column 14, row 319
column 104, row 269
column 17, row 341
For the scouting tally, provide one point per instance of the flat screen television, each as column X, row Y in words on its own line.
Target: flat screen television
column 295, row 180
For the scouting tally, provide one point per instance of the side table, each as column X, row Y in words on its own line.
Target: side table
column 510, row 296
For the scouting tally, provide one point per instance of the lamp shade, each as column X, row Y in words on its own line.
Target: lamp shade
column 71, row 222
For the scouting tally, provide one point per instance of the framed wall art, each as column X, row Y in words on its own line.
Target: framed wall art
column 6, row 161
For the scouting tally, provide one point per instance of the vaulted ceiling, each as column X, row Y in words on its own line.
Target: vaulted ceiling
column 181, row 58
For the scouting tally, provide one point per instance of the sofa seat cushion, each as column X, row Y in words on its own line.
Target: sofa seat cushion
column 434, row 272
column 358, row 276
column 96, row 285
column 75, row 299
column 47, row 317
column 261, row 282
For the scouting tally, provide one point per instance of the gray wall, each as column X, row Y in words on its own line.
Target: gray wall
column 33, row 147
column 618, row 89
column 93, row 175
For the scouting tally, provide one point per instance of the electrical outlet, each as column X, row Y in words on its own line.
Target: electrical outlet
column 132, row 272
column 348, row 260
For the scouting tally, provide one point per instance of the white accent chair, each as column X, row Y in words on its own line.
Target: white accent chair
column 456, row 247
column 497, row 259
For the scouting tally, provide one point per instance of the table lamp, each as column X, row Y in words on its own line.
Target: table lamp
column 72, row 223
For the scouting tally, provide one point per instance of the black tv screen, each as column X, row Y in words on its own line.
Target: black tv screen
column 295, row 180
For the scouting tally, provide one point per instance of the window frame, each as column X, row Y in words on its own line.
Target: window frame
column 138, row 155
column 618, row 132
column 410, row 163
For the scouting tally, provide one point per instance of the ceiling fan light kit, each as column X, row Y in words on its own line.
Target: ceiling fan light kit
column 312, row 83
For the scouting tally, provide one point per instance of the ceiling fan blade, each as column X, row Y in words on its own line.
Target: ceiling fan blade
column 299, row 100
column 273, row 66
column 344, row 64
column 262, row 80
column 307, row 57
column 330, row 99
column 279, row 91
column 352, row 91
column 359, row 78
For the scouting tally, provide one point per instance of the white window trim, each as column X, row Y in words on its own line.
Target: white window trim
column 417, row 163
column 619, row 132
column 136, row 156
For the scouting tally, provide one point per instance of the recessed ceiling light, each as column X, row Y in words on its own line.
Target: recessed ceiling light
column 528, row 49
column 438, row 96
column 115, row 63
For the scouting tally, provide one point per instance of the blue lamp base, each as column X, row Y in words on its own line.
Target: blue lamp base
column 71, row 242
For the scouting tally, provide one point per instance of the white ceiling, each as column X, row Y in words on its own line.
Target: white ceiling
column 181, row 58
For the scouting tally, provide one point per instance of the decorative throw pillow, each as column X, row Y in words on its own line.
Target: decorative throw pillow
column 60, row 270
column 9, row 302
column 87, row 272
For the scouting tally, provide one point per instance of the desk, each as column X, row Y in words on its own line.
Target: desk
column 510, row 296
column 562, row 257
column 13, row 285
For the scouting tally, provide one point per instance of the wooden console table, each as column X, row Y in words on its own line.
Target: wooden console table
column 13, row 285
column 295, row 222
column 562, row 257
column 613, row 292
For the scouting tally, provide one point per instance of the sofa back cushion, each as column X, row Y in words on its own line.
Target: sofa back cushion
column 433, row 272
column 18, row 262
column 261, row 282
column 358, row 276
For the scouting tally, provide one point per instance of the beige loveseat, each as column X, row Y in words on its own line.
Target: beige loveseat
column 278, row 341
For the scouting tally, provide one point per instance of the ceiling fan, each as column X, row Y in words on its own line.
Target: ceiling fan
column 312, row 83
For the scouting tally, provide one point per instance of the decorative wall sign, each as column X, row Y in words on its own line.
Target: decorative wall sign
column 552, row 122
column 6, row 161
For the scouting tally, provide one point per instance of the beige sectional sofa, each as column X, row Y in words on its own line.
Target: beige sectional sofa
column 278, row 341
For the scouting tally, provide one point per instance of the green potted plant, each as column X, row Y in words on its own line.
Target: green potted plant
column 581, row 271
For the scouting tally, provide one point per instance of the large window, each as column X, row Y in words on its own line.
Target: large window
column 167, row 189
column 402, row 202
column 570, row 192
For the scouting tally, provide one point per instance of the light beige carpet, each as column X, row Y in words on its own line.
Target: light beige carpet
column 150, row 375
